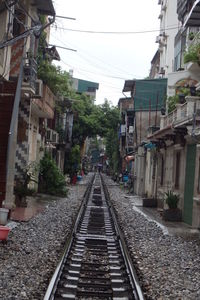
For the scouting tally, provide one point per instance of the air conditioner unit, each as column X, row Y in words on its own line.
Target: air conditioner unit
column 131, row 129
column 55, row 137
column 162, row 71
column 163, row 41
column 123, row 129
column 38, row 89
column 158, row 39
column 49, row 135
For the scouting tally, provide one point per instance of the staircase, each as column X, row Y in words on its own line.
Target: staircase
column 7, row 96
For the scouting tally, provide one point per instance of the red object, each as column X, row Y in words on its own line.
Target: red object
column 4, row 232
column 74, row 179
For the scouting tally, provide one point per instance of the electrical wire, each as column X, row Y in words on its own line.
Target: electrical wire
column 14, row 15
column 96, row 58
column 115, row 32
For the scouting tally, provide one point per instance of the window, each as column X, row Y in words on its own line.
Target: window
column 91, row 89
column 179, row 48
column 177, row 174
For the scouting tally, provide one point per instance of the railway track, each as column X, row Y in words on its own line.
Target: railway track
column 95, row 264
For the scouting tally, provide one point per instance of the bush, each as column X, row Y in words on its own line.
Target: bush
column 51, row 180
column 172, row 199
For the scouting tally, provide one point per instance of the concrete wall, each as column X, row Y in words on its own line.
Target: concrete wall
column 5, row 53
column 169, row 19
column 144, row 120
column 196, row 198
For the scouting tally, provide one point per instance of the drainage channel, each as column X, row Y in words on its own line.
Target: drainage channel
column 94, row 264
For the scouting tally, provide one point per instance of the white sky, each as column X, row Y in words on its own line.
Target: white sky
column 100, row 57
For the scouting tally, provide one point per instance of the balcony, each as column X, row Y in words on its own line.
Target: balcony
column 182, row 117
column 193, row 14
column 183, row 114
column 44, row 107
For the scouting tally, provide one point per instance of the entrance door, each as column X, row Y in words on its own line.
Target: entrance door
column 189, row 183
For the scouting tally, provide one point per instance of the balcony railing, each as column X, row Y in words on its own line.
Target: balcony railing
column 182, row 114
column 30, row 72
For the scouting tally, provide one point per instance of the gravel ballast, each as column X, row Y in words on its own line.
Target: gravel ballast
column 33, row 249
column 168, row 267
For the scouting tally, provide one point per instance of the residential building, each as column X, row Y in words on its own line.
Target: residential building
column 176, row 144
column 169, row 25
column 148, row 102
column 23, row 99
column 155, row 66
column 126, row 130
column 87, row 87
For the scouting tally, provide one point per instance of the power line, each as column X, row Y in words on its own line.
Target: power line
column 96, row 58
column 115, row 32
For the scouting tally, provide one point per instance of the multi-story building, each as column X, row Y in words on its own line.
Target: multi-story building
column 23, row 99
column 148, row 100
column 126, row 129
column 87, row 87
column 176, row 165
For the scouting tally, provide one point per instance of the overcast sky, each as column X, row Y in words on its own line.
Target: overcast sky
column 108, row 59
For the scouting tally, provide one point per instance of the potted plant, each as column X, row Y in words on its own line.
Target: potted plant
column 21, row 192
column 191, row 36
column 22, row 189
column 173, row 213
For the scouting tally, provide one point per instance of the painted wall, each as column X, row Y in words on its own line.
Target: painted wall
column 168, row 18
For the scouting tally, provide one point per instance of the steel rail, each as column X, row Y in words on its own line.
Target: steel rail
column 134, row 279
column 95, row 261
column 67, row 247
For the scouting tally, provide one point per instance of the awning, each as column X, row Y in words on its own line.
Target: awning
column 129, row 86
column 193, row 19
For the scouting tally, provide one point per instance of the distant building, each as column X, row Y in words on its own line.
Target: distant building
column 84, row 86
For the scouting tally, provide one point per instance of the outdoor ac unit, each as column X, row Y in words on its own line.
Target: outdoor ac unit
column 123, row 129
column 131, row 129
column 158, row 39
column 55, row 137
column 162, row 71
column 49, row 135
column 38, row 89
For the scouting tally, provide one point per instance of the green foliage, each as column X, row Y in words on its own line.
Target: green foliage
column 51, row 180
column 172, row 199
column 56, row 79
column 192, row 54
column 171, row 102
column 72, row 160
column 23, row 191
column 112, row 149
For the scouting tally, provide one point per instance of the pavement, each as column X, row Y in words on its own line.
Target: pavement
column 155, row 215
column 38, row 204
